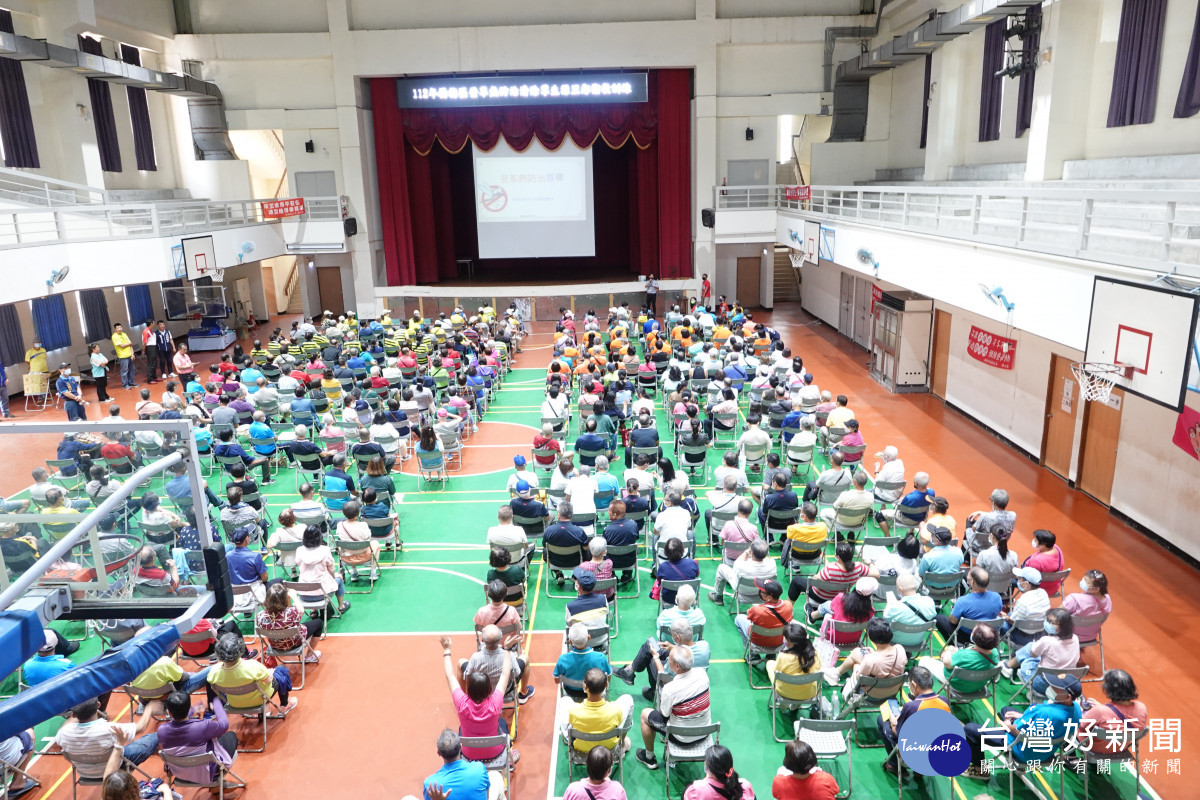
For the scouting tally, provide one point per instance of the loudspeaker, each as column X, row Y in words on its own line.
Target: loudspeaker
column 707, row 217
column 309, row 147
column 749, row 134
column 350, row 224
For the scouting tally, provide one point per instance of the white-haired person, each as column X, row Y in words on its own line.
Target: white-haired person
column 682, row 701
column 573, row 665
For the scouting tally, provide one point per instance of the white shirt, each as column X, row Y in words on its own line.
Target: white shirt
column 645, row 479
column 719, row 474
column 556, row 406
column 502, row 535
column 643, row 404
column 148, row 439
column 673, row 523
column 528, row 476
column 1032, row 605
column 582, row 494
column 891, row 472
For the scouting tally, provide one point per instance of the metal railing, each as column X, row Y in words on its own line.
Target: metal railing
column 1129, row 228
column 22, row 227
column 18, row 186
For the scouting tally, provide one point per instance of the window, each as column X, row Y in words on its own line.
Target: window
column 50, row 322
column 12, row 342
column 93, row 310
column 137, row 304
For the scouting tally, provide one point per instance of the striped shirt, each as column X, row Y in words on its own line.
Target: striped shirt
column 685, row 701
column 837, row 571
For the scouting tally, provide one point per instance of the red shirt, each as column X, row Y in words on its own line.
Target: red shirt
column 225, row 366
column 542, row 443
column 765, row 616
column 706, row 289
column 198, row 648
column 378, row 382
column 818, row 785
column 301, row 376
column 115, row 450
column 1050, row 561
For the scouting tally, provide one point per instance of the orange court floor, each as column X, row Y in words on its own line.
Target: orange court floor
column 352, row 736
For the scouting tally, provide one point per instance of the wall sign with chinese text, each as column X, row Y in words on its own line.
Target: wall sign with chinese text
column 287, row 207
column 995, row 351
column 797, row 192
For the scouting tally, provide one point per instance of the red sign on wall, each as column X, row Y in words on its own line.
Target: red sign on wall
column 287, row 207
column 876, row 296
column 797, row 192
column 993, row 350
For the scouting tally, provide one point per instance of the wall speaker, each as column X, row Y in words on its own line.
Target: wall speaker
column 309, row 146
column 350, row 224
column 708, row 218
column 749, row 134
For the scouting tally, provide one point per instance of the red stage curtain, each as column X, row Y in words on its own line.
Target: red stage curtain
column 674, row 174
column 391, row 169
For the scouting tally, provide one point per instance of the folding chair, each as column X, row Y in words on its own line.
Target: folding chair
column 754, row 654
column 777, row 523
column 1033, row 697
column 745, row 593
column 245, row 604
column 830, row 740
column 270, row 647
column 68, row 483
column 967, row 625
column 755, row 456
column 452, row 448
column 862, row 702
column 1061, row 576
column 544, row 452
column 926, row 628
column 674, row 586
column 827, row 494
column 624, row 558
column 312, row 598
column 896, row 487
column 432, row 467
column 501, row 762
column 725, row 424
column 348, row 546
column 10, row 771
column 96, row 762
column 798, row 455
column 1113, row 736
column 849, row 521
column 987, row 691
column 798, row 555
column 837, row 626
column 732, row 551
column 208, row 637
column 176, row 766
column 558, row 426
column 386, row 531
column 778, row 703
column 534, row 527
column 614, row 619
column 560, row 559
column 1096, row 621
column 942, row 587
column 677, row 752
column 259, row 707
column 578, row 758
column 142, row 696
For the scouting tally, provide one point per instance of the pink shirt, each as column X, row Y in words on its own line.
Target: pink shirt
column 1056, row 653
column 608, row 790
column 704, row 789
column 1104, row 716
column 1050, row 561
column 480, row 719
column 1087, row 605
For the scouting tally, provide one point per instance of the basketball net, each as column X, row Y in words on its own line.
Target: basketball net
column 1097, row 379
column 797, row 258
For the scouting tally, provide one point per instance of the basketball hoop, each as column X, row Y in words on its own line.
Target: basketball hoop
column 797, row 258
column 218, row 275
column 1097, row 378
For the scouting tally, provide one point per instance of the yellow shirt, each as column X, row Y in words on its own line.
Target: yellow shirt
column 599, row 716
column 788, row 664
column 240, row 674
column 838, row 417
column 121, row 343
column 37, row 359
column 808, row 532
column 159, row 673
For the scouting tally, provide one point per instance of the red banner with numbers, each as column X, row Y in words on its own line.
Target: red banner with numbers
column 797, row 192
column 993, row 350
column 287, row 207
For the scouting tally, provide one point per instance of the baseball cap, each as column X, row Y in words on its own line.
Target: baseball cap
column 51, row 642
column 519, row 460
column 585, row 578
column 1066, row 682
column 239, row 535
column 443, row 412
column 523, row 488
column 940, row 532
column 770, row 586
column 866, row 586
column 1028, row 573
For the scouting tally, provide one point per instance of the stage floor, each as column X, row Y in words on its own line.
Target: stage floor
column 537, row 275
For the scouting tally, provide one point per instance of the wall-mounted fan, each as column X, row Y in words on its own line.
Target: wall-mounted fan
column 867, row 259
column 246, row 249
column 57, row 276
column 996, row 295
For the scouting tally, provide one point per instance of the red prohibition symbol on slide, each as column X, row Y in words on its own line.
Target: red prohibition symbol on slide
column 493, row 198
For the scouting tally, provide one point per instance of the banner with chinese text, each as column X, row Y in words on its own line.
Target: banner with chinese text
column 995, row 351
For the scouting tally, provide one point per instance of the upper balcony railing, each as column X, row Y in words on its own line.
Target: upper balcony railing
column 24, row 227
column 1144, row 229
column 17, row 186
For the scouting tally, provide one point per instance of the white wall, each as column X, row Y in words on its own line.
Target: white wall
column 821, row 291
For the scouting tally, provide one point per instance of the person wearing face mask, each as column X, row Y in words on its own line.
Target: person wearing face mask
column 1057, row 649
column 68, row 389
column 1047, row 557
column 1031, row 606
column 1091, row 599
column 1050, row 719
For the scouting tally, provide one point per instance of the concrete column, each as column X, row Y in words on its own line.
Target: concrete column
column 1058, row 129
column 950, row 88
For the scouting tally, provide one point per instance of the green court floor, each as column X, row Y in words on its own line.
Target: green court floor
column 436, row 586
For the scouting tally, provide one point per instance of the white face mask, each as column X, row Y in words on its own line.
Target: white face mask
column 1051, row 695
column 1084, row 587
column 66, row 373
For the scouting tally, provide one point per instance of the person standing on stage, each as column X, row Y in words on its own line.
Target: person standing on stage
column 652, row 294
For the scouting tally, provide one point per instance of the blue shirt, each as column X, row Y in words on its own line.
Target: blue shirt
column 356, row 363
column 606, row 482
column 250, row 377
column 1057, row 714
column 468, row 780
column 203, row 437
column 40, row 669
column 303, row 404
column 943, row 560
column 588, row 441
column 224, row 449
column 575, row 664
column 67, row 385
column 193, row 386
column 918, row 501
column 977, row 606
column 245, row 565
column 178, row 487
column 792, row 420
column 261, row 430
column 376, row 511
column 337, row 481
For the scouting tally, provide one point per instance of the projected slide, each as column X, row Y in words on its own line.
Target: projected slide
column 534, row 204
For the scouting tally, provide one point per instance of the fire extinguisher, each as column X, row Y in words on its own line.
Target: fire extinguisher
column 724, row 182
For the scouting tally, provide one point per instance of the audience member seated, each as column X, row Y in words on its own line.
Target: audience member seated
column 979, row 603
column 279, row 613
column 720, row 781
column 921, row 697
column 801, row 778
column 855, row 606
column 942, row 565
column 772, row 613
column 479, row 706
column 907, row 607
column 836, row 477
column 985, row 521
column 1031, row 606
column 234, row 669
column 798, row 657
column 1091, row 599
column 1057, row 649
column 652, row 657
column 1052, row 719
column 546, row 441
column 314, row 560
column 843, row 569
column 808, row 529
column 237, row 514
column 600, row 564
column 563, row 533
column 577, row 660
column 88, row 734
column 913, row 507
column 191, row 731
column 998, row 560
column 754, row 562
column 683, row 701
column 506, row 534
column 980, row 655
column 302, row 447
column 492, row 651
column 47, row 663
column 227, row 447
column 598, row 785
column 780, row 499
column 1123, row 712
column 1047, row 557
column 465, row 780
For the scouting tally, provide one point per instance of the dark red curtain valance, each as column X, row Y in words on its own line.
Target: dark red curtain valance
column 417, row 206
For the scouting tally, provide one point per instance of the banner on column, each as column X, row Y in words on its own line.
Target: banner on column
column 995, row 351
column 1187, row 432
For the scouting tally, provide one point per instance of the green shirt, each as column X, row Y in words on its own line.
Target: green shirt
column 970, row 658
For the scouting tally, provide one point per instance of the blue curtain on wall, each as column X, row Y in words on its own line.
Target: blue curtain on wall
column 50, row 322
column 12, row 342
column 139, row 115
column 1135, row 73
column 103, row 117
column 96, row 324
column 137, row 298
column 991, row 91
column 1188, row 102
column 16, row 120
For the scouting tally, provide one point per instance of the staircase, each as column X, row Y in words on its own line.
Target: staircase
column 787, row 279
column 295, row 304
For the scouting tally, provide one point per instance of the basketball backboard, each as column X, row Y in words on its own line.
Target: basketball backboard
column 1149, row 329
column 199, row 256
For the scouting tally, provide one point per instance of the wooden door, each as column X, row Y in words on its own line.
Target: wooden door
column 941, row 351
column 1098, row 456
column 862, row 313
column 748, row 269
column 1062, row 406
column 329, row 288
column 846, row 314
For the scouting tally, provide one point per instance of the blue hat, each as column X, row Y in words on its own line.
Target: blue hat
column 239, row 535
column 522, row 487
column 519, row 460
column 585, row 578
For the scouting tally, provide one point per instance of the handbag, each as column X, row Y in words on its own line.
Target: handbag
column 656, row 590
